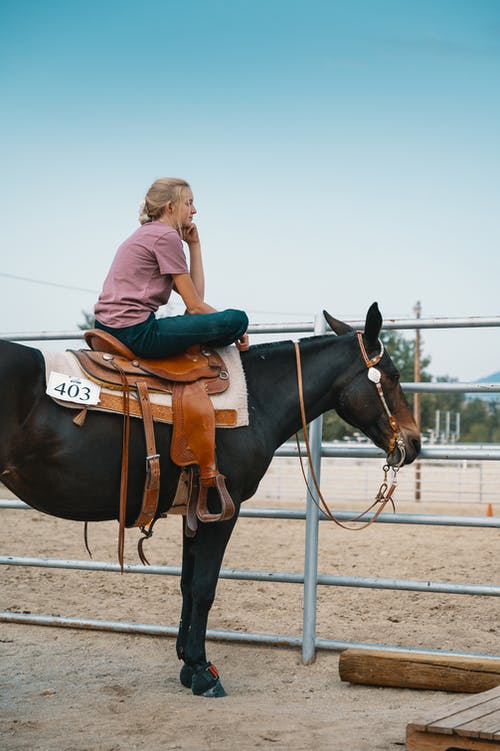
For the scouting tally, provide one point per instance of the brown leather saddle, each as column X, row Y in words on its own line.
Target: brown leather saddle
column 190, row 378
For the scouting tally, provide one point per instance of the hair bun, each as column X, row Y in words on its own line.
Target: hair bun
column 144, row 217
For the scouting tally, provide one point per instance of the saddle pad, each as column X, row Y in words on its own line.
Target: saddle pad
column 231, row 406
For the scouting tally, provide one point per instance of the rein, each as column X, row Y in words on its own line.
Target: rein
column 385, row 491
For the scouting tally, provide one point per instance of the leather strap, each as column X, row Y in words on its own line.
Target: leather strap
column 122, row 514
column 152, row 483
column 191, row 520
column 374, row 360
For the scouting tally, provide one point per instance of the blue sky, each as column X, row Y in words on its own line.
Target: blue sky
column 339, row 153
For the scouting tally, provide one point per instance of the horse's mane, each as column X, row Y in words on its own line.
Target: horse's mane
column 265, row 347
column 281, row 348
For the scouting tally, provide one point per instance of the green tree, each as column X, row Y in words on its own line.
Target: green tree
column 88, row 321
column 402, row 352
column 495, row 421
column 480, row 421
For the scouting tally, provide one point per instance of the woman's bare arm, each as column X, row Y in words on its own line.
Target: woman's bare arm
column 196, row 272
column 186, row 288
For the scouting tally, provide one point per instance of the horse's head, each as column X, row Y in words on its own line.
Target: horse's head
column 371, row 398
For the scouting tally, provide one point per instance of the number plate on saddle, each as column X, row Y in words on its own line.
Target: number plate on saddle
column 71, row 389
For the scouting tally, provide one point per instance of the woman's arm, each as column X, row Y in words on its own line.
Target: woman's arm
column 186, row 288
column 191, row 237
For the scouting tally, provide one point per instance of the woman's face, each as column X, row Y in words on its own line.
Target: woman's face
column 185, row 210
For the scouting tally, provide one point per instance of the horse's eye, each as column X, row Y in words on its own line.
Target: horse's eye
column 393, row 376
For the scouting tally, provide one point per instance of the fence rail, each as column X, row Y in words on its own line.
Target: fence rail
column 442, row 520
column 304, row 327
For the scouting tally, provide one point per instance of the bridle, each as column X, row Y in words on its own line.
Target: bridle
column 385, row 492
column 375, row 377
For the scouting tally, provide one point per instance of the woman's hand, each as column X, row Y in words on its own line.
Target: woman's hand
column 243, row 343
column 190, row 234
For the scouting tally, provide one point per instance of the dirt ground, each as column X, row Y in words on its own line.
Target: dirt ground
column 75, row 690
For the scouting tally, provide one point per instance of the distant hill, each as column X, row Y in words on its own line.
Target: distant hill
column 493, row 378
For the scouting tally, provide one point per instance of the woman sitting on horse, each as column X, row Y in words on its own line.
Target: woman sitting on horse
column 152, row 262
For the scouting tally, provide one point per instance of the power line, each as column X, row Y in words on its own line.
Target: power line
column 96, row 292
column 48, row 284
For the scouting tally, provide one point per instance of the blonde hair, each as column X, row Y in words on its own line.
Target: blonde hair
column 163, row 191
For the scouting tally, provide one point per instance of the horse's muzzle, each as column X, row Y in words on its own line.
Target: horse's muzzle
column 405, row 453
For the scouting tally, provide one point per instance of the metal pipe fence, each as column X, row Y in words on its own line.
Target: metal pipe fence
column 441, row 480
column 283, row 577
column 310, row 579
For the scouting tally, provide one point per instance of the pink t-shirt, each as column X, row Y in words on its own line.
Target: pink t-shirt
column 140, row 280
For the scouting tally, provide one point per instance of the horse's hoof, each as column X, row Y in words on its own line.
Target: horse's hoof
column 186, row 675
column 206, row 682
column 215, row 692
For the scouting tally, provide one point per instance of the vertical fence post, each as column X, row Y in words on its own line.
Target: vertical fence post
column 417, row 407
column 311, row 541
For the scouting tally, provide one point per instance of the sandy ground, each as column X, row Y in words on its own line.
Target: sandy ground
column 74, row 690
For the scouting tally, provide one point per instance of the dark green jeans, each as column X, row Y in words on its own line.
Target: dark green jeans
column 160, row 337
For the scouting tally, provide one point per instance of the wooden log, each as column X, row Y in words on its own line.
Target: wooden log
column 412, row 670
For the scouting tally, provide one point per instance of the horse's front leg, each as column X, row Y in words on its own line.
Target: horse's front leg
column 202, row 560
column 188, row 559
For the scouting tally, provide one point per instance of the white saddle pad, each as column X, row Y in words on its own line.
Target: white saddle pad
column 234, row 398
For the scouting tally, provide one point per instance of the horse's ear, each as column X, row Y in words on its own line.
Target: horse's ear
column 373, row 324
column 338, row 327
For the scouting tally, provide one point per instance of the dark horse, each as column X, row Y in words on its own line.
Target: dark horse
column 74, row 472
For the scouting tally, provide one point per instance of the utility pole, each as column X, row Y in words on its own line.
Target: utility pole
column 417, row 414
